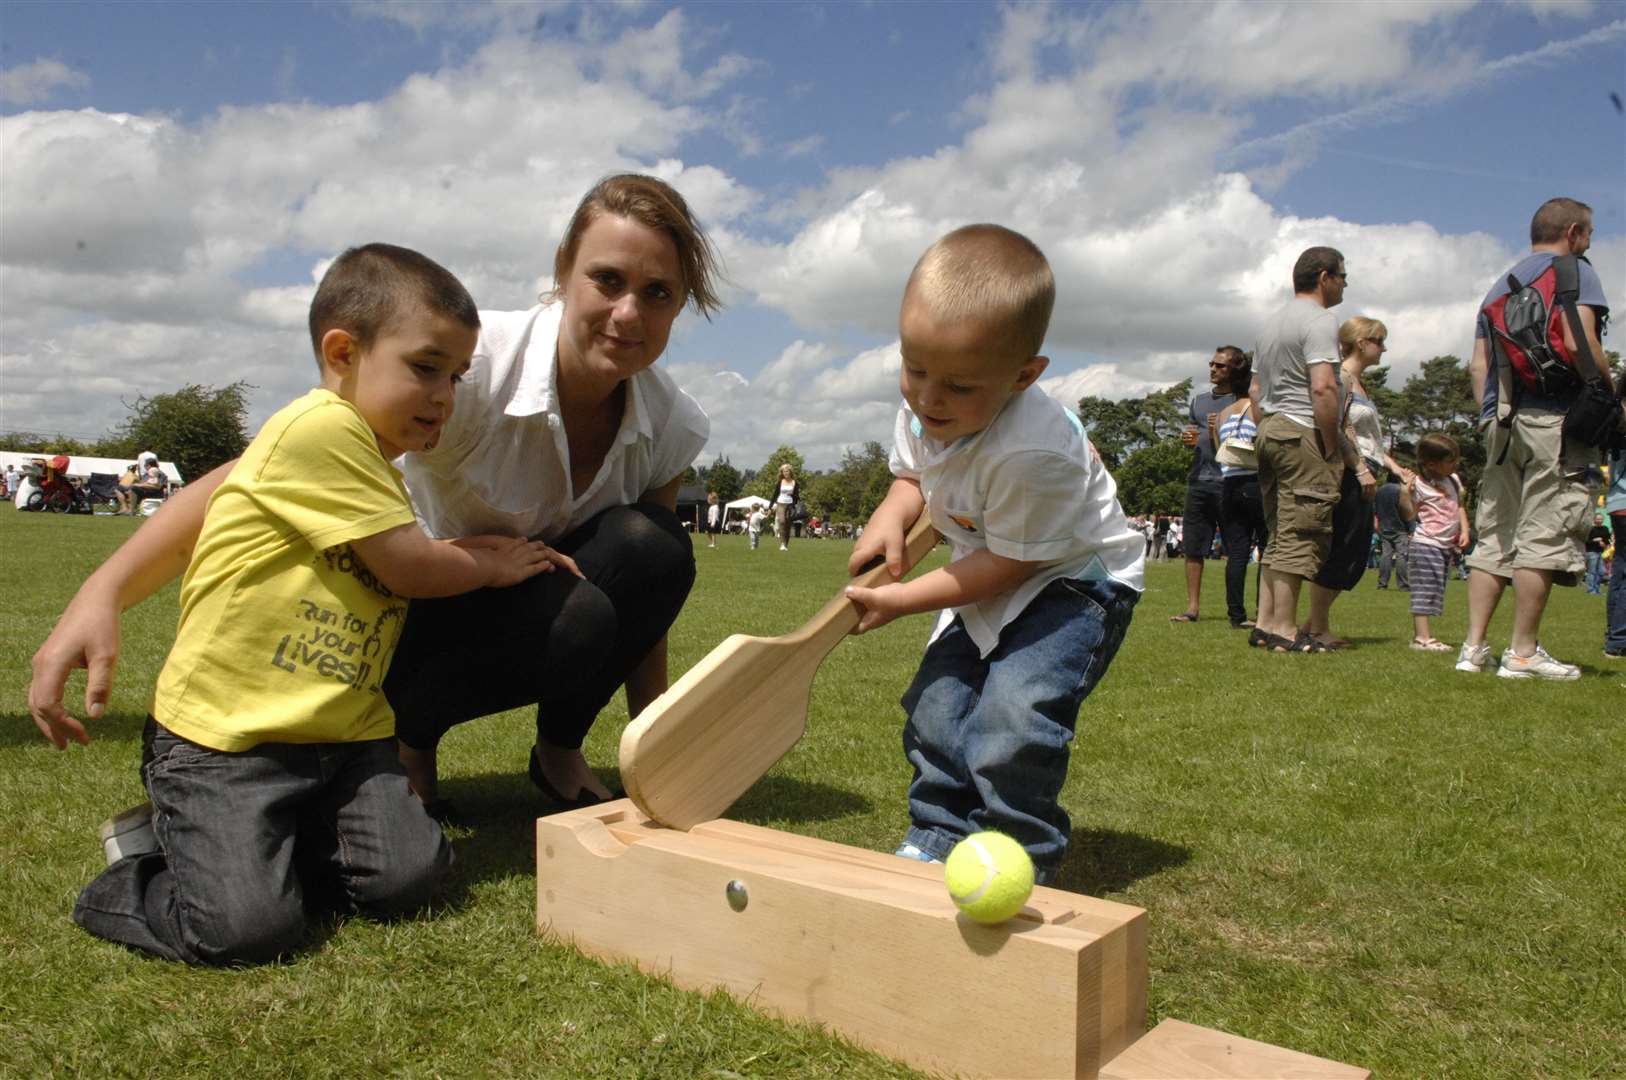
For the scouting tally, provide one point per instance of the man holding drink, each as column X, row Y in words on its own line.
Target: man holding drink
column 1204, row 486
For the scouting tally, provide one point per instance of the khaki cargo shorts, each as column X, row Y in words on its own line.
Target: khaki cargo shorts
column 1531, row 516
column 1299, row 487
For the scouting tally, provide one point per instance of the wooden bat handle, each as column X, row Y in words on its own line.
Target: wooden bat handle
column 836, row 619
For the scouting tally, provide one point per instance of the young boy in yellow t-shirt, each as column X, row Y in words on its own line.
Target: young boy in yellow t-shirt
column 270, row 757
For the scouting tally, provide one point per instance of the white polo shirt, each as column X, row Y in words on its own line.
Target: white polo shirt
column 1029, row 486
column 503, row 463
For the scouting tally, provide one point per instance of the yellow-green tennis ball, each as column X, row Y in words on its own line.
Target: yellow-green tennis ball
column 989, row 876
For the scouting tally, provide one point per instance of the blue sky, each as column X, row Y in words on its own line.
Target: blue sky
column 172, row 176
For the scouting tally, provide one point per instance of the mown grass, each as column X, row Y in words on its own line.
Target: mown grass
column 1365, row 856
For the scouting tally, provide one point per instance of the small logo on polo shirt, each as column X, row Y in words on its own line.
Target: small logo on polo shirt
column 964, row 522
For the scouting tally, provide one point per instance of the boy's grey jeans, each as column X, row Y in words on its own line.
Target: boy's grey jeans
column 251, row 841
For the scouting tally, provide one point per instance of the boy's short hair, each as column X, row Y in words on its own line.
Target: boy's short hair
column 1554, row 218
column 988, row 273
column 368, row 287
column 1311, row 264
column 1436, row 447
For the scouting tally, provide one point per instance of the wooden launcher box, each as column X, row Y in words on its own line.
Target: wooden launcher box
column 870, row 946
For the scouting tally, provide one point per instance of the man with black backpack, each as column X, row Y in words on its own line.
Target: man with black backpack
column 1543, row 384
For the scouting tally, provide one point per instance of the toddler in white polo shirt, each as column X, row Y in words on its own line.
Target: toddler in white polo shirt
column 1045, row 572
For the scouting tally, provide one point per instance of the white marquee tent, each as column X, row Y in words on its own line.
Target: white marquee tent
column 744, row 506
column 81, row 466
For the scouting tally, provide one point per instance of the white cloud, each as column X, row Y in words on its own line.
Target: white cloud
column 136, row 247
column 117, row 224
column 27, row 84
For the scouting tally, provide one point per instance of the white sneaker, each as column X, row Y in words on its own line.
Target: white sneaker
column 1537, row 666
column 1474, row 658
column 907, row 850
column 128, row 833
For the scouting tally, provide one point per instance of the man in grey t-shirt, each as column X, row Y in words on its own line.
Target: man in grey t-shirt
column 1300, row 449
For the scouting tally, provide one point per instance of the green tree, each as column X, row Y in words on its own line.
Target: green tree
column 1440, row 397
column 1152, row 480
column 853, row 490
column 1119, row 428
column 723, row 478
column 1111, row 427
column 766, row 481
column 29, row 442
column 196, row 427
column 824, row 496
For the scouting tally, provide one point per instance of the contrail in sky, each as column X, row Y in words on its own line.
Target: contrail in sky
column 1382, row 110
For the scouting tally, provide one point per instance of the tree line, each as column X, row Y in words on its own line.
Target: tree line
column 199, row 427
column 196, row 427
column 850, row 492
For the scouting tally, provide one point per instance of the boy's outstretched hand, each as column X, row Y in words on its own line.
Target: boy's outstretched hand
column 510, row 560
column 87, row 636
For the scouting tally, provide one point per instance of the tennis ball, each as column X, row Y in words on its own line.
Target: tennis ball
column 989, row 876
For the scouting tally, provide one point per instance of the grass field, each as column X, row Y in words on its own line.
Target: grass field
column 1365, row 856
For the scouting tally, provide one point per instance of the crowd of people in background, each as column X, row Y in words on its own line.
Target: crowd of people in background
column 1289, row 447
column 45, row 483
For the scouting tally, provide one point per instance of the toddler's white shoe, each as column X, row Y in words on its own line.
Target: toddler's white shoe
column 907, row 850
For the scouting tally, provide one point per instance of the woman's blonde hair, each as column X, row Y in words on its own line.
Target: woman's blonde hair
column 657, row 205
column 786, row 467
column 1359, row 328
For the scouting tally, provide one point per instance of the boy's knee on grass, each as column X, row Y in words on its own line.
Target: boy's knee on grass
column 254, row 933
column 406, row 883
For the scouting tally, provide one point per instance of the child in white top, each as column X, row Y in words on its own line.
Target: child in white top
column 1045, row 572
column 1433, row 499
column 753, row 525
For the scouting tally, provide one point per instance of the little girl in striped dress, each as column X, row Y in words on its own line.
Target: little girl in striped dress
column 1434, row 500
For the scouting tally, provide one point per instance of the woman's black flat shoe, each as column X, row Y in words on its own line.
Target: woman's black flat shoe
column 442, row 810
column 583, row 797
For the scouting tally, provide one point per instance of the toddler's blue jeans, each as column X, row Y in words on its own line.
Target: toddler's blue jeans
column 251, row 840
column 989, row 737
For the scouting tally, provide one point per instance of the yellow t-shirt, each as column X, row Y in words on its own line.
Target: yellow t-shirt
column 284, row 635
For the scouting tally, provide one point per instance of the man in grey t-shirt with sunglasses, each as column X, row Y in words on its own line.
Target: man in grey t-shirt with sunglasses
column 1301, row 456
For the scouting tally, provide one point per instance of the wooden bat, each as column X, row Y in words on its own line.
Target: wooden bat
column 718, row 729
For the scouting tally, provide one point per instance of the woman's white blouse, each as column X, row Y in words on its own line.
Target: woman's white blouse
column 503, row 462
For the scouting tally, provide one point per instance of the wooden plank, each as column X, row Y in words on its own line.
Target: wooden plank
column 867, row 944
column 1176, row 1050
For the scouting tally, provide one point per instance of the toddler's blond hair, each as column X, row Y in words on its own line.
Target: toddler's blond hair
column 988, row 273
